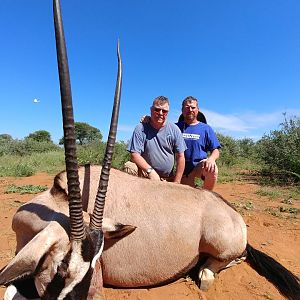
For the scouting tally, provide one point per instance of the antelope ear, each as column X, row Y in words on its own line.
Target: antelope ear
column 27, row 260
column 114, row 230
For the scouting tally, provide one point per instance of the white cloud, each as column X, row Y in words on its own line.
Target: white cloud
column 247, row 124
column 227, row 122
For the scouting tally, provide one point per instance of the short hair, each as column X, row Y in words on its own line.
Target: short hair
column 200, row 117
column 161, row 100
column 189, row 99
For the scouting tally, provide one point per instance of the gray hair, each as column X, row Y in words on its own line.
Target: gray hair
column 161, row 100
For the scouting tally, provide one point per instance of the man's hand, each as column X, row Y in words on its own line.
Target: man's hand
column 145, row 119
column 209, row 165
column 153, row 175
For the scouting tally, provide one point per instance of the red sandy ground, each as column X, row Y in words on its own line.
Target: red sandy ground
column 276, row 236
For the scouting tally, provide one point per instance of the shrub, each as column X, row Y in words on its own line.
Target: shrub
column 279, row 151
column 121, row 155
column 26, row 147
column 94, row 154
column 50, row 162
column 40, row 136
column 229, row 151
column 29, row 146
column 91, row 154
column 246, row 147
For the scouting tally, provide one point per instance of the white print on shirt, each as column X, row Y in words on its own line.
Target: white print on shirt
column 191, row 136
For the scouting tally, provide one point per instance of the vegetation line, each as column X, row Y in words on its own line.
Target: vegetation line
column 275, row 158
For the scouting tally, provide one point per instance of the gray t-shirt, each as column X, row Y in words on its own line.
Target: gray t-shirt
column 157, row 147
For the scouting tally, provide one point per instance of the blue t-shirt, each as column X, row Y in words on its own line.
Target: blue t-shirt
column 199, row 139
column 157, row 147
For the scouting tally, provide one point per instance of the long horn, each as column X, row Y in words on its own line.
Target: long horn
column 96, row 219
column 75, row 204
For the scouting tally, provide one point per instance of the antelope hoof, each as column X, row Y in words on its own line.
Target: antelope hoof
column 207, row 278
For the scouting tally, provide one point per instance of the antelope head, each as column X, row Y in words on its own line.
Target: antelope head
column 68, row 274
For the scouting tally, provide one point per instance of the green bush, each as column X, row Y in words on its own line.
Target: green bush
column 26, row 147
column 121, row 155
column 23, row 170
column 16, row 169
column 279, row 151
column 229, row 152
column 94, row 154
column 22, row 164
column 50, row 162
column 14, row 165
column 40, row 136
column 246, row 148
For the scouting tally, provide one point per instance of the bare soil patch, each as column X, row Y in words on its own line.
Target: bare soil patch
column 278, row 236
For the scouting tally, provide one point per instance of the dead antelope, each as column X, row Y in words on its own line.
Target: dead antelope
column 174, row 228
column 63, row 269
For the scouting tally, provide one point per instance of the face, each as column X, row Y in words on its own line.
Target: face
column 159, row 114
column 190, row 111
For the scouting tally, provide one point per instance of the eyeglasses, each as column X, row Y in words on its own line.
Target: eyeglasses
column 158, row 110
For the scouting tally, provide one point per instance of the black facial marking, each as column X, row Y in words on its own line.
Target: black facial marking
column 26, row 288
column 89, row 248
column 57, row 284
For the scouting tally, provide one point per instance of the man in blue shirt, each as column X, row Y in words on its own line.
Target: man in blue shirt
column 154, row 145
column 200, row 139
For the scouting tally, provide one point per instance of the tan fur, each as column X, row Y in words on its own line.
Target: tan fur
column 175, row 224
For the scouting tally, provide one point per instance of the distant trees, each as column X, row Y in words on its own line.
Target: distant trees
column 5, row 137
column 276, row 154
column 36, row 142
column 40, row 141
column 40, row 136
column 85, row 134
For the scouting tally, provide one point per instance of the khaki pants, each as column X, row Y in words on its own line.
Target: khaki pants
column 131, row 168
column 209, row 178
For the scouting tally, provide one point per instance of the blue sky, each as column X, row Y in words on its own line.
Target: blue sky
column 239, row 58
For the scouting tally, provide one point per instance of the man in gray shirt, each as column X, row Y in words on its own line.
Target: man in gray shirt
column 154, row 145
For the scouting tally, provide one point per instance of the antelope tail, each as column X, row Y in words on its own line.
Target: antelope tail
column 285, row 281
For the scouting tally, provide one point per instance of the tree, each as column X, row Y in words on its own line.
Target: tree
column 85, row 134
column 40, row 136
column 4, row 138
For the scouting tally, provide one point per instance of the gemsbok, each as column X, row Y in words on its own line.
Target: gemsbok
column 69, row 245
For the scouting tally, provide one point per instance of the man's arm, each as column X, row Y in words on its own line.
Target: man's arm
column 142, row 164
column 180, row 164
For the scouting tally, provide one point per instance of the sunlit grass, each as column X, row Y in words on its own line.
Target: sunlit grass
column 269, row 192
column 25, row 189
column 23, row 166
